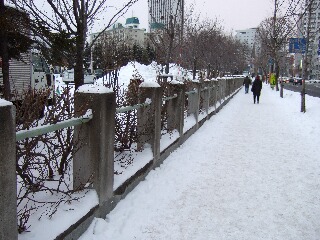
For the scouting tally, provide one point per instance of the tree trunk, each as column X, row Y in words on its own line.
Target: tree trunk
column 281, row 89
column 277, row 71
column 78, row 68
column 5, row 53
column 305, row 60
column 194, row 68
column 171, row 39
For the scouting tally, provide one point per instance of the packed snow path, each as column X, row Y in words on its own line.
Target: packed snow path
column 251, row 172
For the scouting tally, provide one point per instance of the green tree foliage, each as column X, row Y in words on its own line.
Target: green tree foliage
column 14, row 39
column 109, row 55
column 16, row 24
column 58, row 47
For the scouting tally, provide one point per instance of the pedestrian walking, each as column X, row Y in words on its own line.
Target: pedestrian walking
column 246, row 83
column 256, row 89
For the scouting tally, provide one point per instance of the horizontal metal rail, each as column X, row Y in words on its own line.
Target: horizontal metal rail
column 206, row 88
column 37, row 131
column 140, row 105
column 203, row 89
column 169, row 98
column 129, row 108
column 191, row 92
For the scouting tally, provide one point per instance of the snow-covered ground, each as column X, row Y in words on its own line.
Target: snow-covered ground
column 251, row 172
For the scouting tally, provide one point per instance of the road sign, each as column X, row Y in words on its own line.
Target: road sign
column 297, row 45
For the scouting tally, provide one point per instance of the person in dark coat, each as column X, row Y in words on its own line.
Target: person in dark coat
column 256, row 89
column 246, row 83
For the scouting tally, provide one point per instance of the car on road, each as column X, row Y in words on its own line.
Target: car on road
column 314, row 81
column 284, row 79
column 297, row 81
column 68, row 77
column 291, row 80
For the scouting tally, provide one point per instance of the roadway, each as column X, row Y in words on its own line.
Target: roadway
column 312, row 89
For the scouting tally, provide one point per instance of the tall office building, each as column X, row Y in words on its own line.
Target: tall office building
column 314, row 38
column 161, row 10
column 247, row 36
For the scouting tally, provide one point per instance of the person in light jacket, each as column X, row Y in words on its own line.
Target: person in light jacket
column 246, row 83
column 256, row 89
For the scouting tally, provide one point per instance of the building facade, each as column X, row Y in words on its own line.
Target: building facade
column 247, row 36
column 314, row 38
column 129, row 34
column 161, row 11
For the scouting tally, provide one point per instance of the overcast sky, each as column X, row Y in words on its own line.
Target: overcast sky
column 234, row 14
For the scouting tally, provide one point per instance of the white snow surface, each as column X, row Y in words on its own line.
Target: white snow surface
column 91, row 88
column 251, row 172
column 5, row 103
column 150, row 84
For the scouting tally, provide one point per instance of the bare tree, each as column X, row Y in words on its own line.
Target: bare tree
column 4, row 52
column 273, row 34
column 74, row 17
column 207, row 47
column 167, row 36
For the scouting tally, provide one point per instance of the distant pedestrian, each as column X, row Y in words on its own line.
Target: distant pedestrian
column 256, row 89
column 246, row 83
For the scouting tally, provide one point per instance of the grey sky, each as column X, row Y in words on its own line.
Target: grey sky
column 234, row 14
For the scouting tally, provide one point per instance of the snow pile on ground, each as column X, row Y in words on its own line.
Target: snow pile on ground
column 148, row 73
column 135, row 70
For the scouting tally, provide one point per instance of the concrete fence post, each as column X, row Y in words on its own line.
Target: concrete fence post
column 8, row 179
column 224, row 91
column 205, row 94
column 211, row 93
column 194, row 102
column 94, row 158
column 149, row 118
column 176, row 107
column 226, row 88
column 219, row 90
column 215, row 93
column 232, row 86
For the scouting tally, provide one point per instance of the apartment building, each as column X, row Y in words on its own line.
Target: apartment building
column 247, row 36
column 129, row 34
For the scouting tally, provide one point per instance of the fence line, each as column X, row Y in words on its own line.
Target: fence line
column 34, row 132
column 99, row 127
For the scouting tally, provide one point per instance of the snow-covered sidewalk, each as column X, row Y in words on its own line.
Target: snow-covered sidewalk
column 251, row 172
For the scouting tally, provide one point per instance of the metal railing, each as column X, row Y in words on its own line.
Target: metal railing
column 37, row 131
column 130, row 108
column 191, row 92
column 141, row 105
